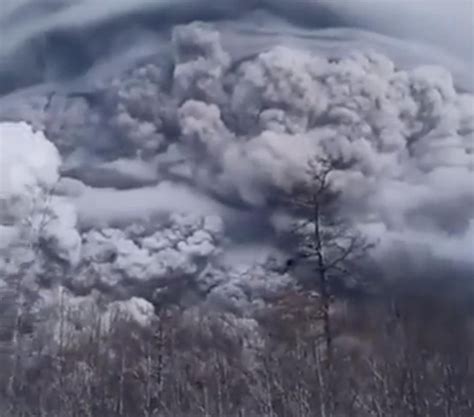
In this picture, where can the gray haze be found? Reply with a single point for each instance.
(157, 146)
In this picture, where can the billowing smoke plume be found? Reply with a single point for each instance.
(30, 210)
(171, 169)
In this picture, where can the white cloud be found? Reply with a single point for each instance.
(29, 166)
(28, 161)
(102, 206)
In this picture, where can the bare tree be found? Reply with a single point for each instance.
(326, 240)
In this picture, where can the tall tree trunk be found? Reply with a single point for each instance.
(323, 279)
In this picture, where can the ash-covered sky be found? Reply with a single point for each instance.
(170, 141)
(46, 40)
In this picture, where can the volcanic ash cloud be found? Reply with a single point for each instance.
(216, 144)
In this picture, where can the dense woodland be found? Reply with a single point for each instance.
(410, 357)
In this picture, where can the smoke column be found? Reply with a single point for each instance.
(143, 144)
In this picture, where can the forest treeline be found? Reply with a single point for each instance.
(407, 356)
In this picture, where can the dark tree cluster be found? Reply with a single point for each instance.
(417, 362)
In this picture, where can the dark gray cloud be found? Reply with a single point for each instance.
(45, 41)
(176, 153)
